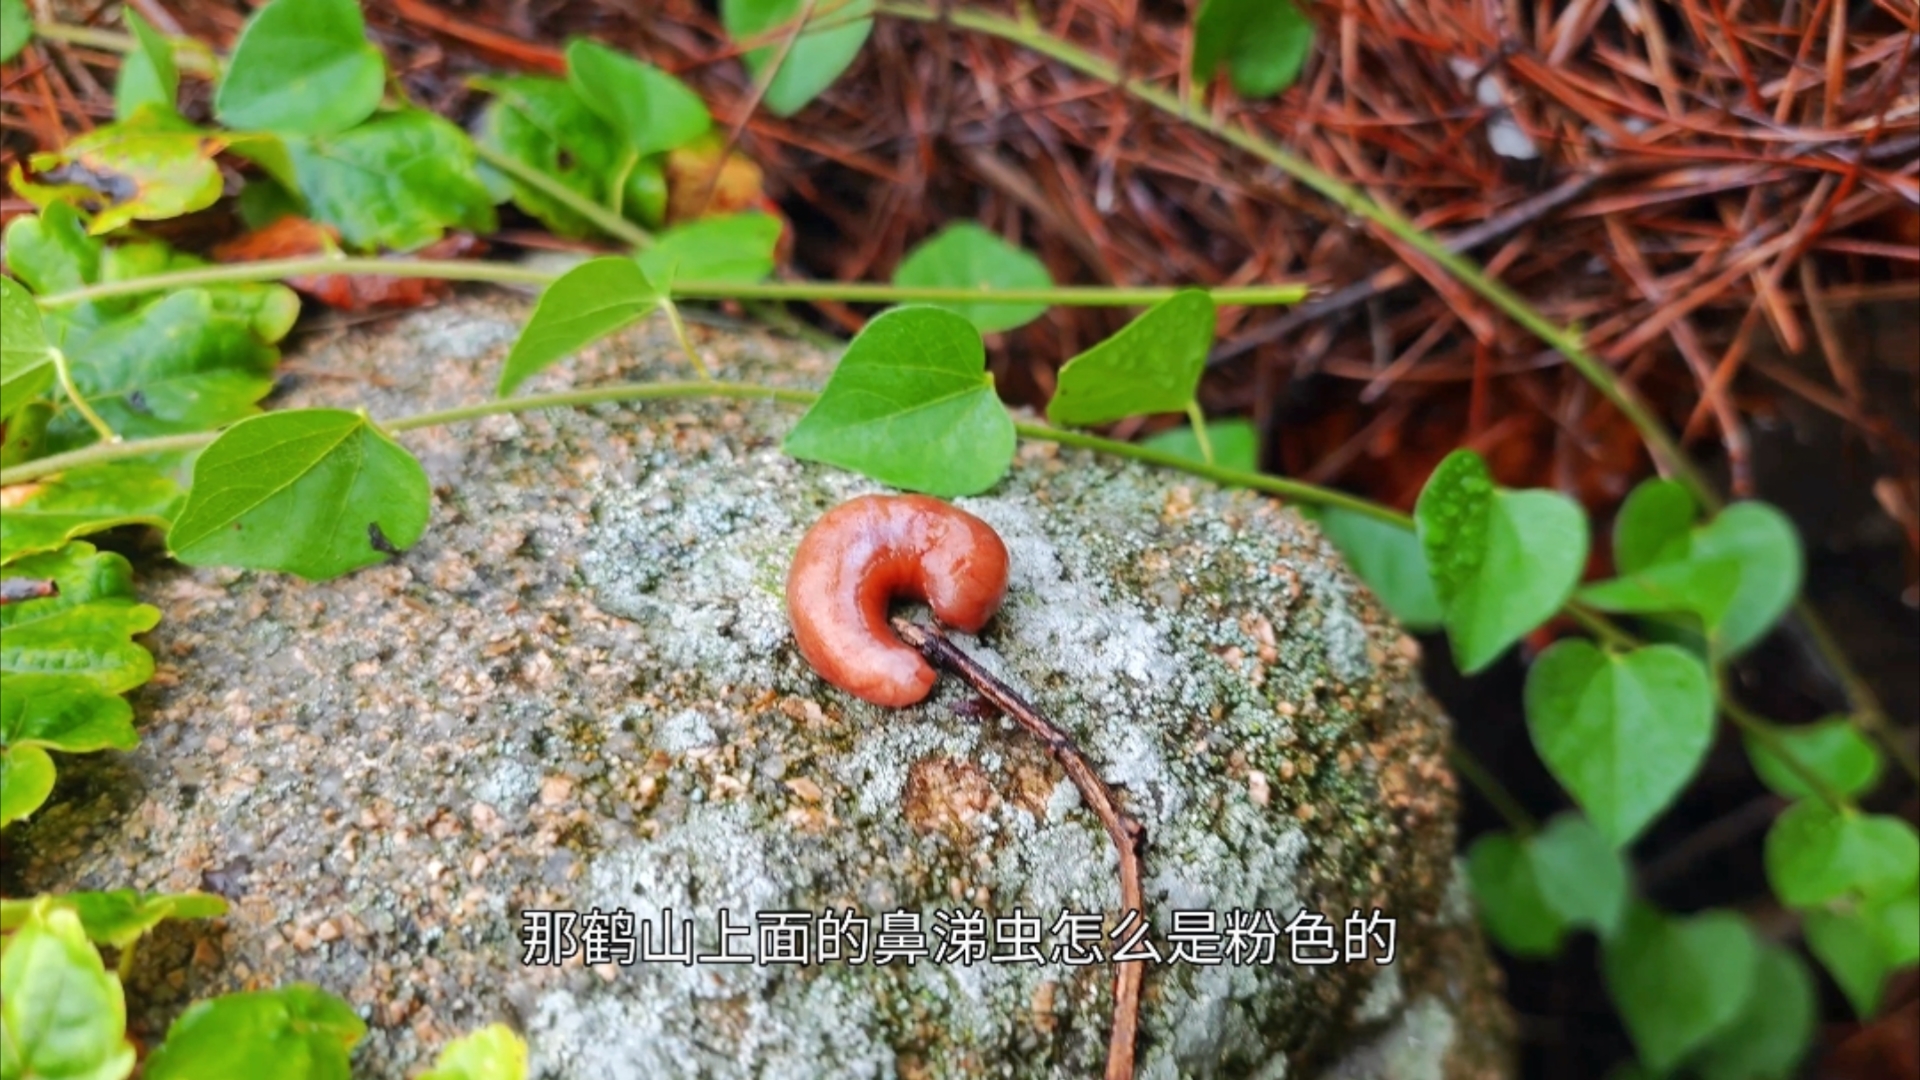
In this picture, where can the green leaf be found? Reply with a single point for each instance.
(1502, 562)
(302, 67)
(734, 248)
(294, 1032)
(1390, 560)
(1622, 732)
(129, 172)
(585, 304)
(23, 437)
(1861, 944)
(398, 181)
(1815, 854)
(653, 110)
(75, 638)
(1772, 1033)
(26, 779)
(148, 77)
(185, 362)
(52, 252)
(544, 125)
(1512, 906)
(26, 358)
(16, 28)
(912, 405)
(1236, 445)
(1264, 43)
(314, 492)
(1151, 366)
(1679, 982)
(1582, 877)
(965, 256)
(817, 57)
(60, 713)
(1738, 573)
(1652, 525)
(492, 1053)
(62, 1017)
(1833, 749)
(44, 515)
(121, 917)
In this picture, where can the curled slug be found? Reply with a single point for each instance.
(866, 553)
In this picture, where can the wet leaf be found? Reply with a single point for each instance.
(302, 67)
(965, 256)
(314, 492)
(1502, 562)
(911, 404)
(397, 182)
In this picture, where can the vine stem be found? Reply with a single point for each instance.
(505, 273)
(1763, 732)
(99, 426)
(607, 221)
(1867, 713)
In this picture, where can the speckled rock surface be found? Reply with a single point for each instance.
(579, 690)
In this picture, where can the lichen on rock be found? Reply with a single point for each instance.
(579, 691)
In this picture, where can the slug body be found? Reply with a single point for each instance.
(866, 553)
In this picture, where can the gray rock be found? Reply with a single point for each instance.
(579, 691)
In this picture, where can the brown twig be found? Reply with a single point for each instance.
(1128, 835)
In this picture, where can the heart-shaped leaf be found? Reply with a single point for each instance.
(735, 248)
(295, 1032)
(1389, 559)
(1652, 525)
(315, 492)
(44, 515)
(1502, 562)
(1815, 854)
(1236, 445)
(26, 357)
(61, 1014)
(60, 712)
(302, 67)
(965, 256)
(911, 404)
(51, 252)
(492, 1053)
(1679, 982)
(584, 305)
(1623, 732)
(120, 917)
(1771, 1035)
(398, 181)
(816, 57)
(1860, 944)
(1738, 573)
(149, 79)
(652, 109)
(1833, 749)
(1264, 43)
(1511, 904)
(1582, 877)
(1151, 366)
(26, 779)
